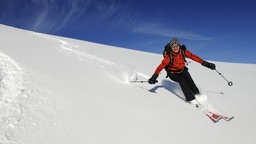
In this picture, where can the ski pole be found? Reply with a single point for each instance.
(139, 81)
(230, 83)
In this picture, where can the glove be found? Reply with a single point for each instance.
(153, 80)
(209, 65)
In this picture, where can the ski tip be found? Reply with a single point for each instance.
(228, 118)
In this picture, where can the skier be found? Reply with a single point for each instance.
(174, 63)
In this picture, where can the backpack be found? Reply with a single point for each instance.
(167, 51)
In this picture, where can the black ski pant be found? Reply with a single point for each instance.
(186, 83)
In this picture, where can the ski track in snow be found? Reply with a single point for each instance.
(11, 88)
(124, 73)
(17, 99)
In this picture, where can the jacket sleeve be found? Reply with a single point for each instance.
(162, 65)
(193, 57)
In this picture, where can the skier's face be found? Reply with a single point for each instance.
(175, 48)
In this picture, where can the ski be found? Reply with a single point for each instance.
(226, 118)
(210, 114)
(210, 111)
(214, 117)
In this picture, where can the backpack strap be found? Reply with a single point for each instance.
(184, 55)
(183, 48)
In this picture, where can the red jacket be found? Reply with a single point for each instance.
(178, 61)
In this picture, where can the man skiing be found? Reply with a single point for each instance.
(174, 63)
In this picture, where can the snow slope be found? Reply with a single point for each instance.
(55, 90)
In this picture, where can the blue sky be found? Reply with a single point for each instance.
(215, 30)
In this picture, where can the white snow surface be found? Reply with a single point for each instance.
(56, 90)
